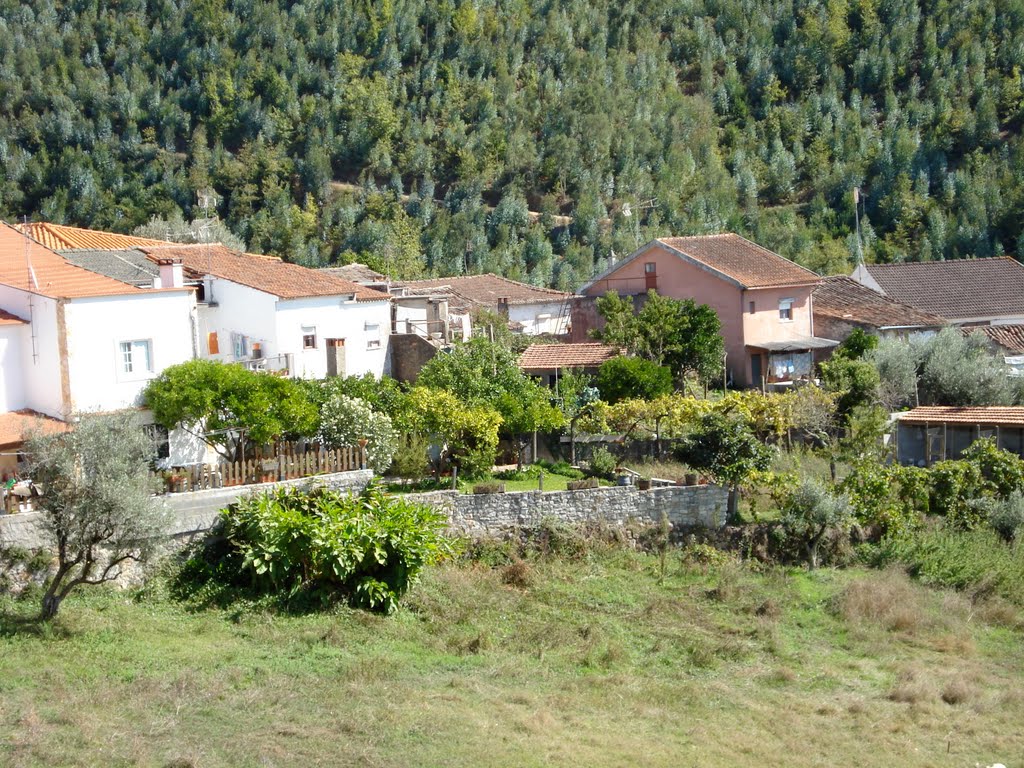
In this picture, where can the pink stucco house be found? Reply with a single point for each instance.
(762, 299)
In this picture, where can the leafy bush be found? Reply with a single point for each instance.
(324, 544)
(345, 420)
(952, 484)
(603, 462)
(977, 560)
(563, 468)
(1007, 516)
(893, 498)
(624, 378)
(411, 459)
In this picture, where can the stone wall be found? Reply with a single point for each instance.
(479, 514)
(191, 512)
(686, 506)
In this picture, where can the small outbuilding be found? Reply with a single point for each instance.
(933, 433)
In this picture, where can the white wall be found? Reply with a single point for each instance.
(40, 374)
(12, 388)
(530, 315)
(96, 327)
(333, 318)
(238, 309)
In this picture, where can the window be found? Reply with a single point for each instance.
(650, 268)
(135, 357)
(308, 337)
(372, 335)
(750, 308)
(240, 345)
(785, 309)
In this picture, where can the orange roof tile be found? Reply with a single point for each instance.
(546, 357)
(29, 266)
(955, 414)
(267, 274)
(15, 426)
(748, 263)
(59, 237)
(6, 318)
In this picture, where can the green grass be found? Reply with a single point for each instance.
(588, 662)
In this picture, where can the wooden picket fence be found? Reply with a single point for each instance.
(289, 464)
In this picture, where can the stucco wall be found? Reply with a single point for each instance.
(191, 513)
(532, 316)
(12, 390)
(237, 309)
(40, 375)
(334, 319)
(95, 327)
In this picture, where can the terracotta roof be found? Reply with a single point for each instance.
(485, 290)
(6, 318)
(546, 357)
(15, 426)
(747, 263)
(357, 273)
(844, 298)
(58, 237)
(953, 414)
(270, 275)
(956, 289)
(1009, 337)
(50, 275)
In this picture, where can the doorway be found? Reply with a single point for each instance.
(335, 357)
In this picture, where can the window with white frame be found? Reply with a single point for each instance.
(785, 309)
(372, 335)
(136, 357)
(308, 337)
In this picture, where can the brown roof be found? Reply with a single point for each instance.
(267, 274)
(747, 263)
(546, 357)
(357, 273)
(1009, 337)
(486, 290)
(956, 289)
(50, 274)
(844, 298)
(15, 426)
(955, 414)
(58, 237)
(6, 318)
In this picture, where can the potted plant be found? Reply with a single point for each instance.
(643, 483)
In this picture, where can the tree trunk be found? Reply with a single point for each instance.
(733, 514)
(51, 604)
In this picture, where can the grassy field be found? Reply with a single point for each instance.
(585, 662)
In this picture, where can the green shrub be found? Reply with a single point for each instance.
(603, 462)
(952, 484)
(1001, 472)
(325, 544)
(810, 513)
(1007, 516)
(632, 378)
(977, 560)
(563, 468)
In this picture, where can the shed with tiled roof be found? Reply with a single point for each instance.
(959, 290)
(937, 432)
(546, 359)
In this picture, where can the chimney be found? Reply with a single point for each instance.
(503, 306)
(170, 273)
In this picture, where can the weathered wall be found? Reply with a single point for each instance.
(686, 506)
(409, 353)
(190, 512)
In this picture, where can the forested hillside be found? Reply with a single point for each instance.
(447, 122)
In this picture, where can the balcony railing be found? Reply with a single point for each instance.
(279, 365)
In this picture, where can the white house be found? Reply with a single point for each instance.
(272, 315)
(529, 310)
(72, 340)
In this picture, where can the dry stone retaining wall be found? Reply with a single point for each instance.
(702, 506)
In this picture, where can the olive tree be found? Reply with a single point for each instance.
(98, 511)
(810, 512)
